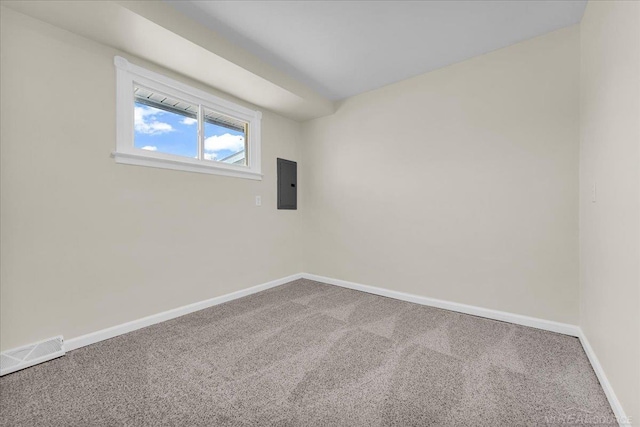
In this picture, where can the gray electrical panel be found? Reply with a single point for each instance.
(287, 183)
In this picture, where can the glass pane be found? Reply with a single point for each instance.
(224, 138)
(164, 124)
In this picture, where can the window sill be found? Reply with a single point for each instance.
(186, 166)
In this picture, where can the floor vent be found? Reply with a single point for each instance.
(29, 355)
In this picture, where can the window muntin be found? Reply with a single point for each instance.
(167, 124)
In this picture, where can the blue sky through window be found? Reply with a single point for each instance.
(172, 133)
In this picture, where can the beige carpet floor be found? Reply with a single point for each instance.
(311, 354)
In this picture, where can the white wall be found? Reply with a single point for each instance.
(87, 243)
(460, 184)
(610, 227)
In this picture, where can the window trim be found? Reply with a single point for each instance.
(127, 75)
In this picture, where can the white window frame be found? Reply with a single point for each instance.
(128, 75)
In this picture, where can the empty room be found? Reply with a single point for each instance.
(320, 213)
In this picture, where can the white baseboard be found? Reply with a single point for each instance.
(547, 325)
(133, 325)
(618, 411)
(114, 331)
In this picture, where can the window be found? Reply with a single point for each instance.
(167, 124)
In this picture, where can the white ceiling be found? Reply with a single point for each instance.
(342, 48)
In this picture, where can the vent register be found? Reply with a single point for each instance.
(32, 354)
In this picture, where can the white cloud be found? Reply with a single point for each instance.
(210, 156)
(150, 148)
(146, 122)
(189, 121)
(224, 142)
